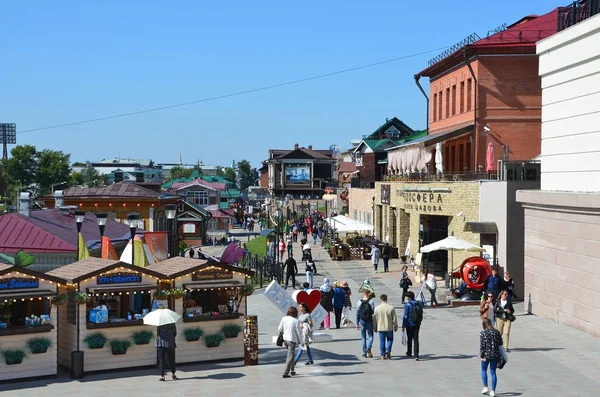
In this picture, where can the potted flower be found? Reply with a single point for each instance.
(247, 290)
(13, 356)
(193, 334)
(59, 299)
(142, 337)
(162, 294)
(213, 340)
(81, 297)
(231, 330)
(119, 346)
(177, 293)
(95, 340)
(39, 345)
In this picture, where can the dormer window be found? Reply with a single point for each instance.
(358, 159)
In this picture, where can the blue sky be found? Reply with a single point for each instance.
(67, 61)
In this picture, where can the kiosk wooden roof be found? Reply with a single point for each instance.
(179, 266)
(90, 267)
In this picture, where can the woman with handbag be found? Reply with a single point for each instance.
(306, 326)
(289, 331)
(431, 285)
(404, 282)
(165, 343)
(489, 352)
(504, 313)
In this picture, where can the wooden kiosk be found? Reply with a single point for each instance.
(28, 323)
(102, 317)
(211, 298)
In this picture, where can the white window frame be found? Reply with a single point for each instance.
(198, 197)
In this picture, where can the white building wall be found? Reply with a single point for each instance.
(570, 71)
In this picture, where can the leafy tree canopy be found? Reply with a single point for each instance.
(180, 172)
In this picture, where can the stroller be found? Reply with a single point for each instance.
(307, 258)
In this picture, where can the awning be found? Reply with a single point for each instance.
(481, 227)
(213, 286)
(26, 294)
(384, 161)
(123, 288)
(431, 140)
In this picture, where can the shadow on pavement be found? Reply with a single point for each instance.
(431, 357)
(222, 376)
(509, 394)
(535, 349)
(338, 373)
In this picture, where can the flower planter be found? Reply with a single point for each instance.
(192, 339)
(95, 347)
(13, 362)
(119, 346)
(39, 350)
(118, 352)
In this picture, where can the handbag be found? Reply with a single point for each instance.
(280, 339)
(503, 358)
(403, 338)
(510, 317)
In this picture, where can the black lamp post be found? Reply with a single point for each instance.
(79, 217)
(133, 220)
(170, 212)
(101, 218)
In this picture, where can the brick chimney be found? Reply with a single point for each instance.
(296, 146)
(25, 204)
(118, 176)
(59, 199)
(309, 147)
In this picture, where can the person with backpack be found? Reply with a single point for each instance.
(411, 323)
(309, 274)
(405, 282)
(490, 341)
(339, 299)
(364, 322)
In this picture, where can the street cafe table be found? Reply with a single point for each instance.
(27, 322)
(127, 293)
(213, 297)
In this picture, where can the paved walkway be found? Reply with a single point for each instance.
(546, 359)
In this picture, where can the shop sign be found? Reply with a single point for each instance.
(423, 201)
(119, 278)
(212, 274)
(19, 283)
(279, 297)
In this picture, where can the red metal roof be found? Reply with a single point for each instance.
(17, 232)
(118, 189)
(524, 33)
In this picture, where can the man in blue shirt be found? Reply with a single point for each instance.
(492, 283)
(411, 322)
(339, 299)
(364, 322)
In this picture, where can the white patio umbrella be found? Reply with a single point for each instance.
(452, 244)
(160, 317)
(439, 165)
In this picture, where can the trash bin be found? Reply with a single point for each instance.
(76, 364)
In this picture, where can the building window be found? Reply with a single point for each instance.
(440, 106)
(358, 160)
(462, 97)
(447, 159)
(453, 100)
(468, 156)
(212, 225)
(198, 197)
(434, 107)
(368, 217)
(354, 214)
(447, 102)
(461, 157)
(452, 158)
(469, 91)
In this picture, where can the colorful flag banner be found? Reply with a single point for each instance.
(83, 249)
(108, 251)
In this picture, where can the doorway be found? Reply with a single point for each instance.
(434, 228)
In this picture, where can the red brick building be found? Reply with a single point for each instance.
(488, 91)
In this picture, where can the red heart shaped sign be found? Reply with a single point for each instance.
(312, 298)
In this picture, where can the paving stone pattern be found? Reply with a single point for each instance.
(547, 359)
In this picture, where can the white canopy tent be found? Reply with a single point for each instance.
(343, 224)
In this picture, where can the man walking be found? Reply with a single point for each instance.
(291, 269)
(385, 254)
(411, 322)
(385, 323)
(375, 254)
(364, 322)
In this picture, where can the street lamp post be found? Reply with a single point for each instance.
(101, 218)
(79, 217)
(133, 219)
(170, 212)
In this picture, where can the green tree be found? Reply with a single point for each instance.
(180, 172)
(227, 173)
(88, 177)
(22, 166)
(245, 175)
(53, 168)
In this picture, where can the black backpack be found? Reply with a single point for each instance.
(416, 313)
(365, 311)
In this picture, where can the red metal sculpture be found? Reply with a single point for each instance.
(474, 271)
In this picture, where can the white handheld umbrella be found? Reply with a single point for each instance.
(161, 317)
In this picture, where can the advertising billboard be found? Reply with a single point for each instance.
(298, 175)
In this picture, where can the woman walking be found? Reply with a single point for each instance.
(290, 327)
(489, 352)
(339, 300)
(404, 282)
(347, 304)
(503, 311)
(306, 327)
(326, 302)
(165, 343)
(486, 308)
(508, 284)
(431, 285)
